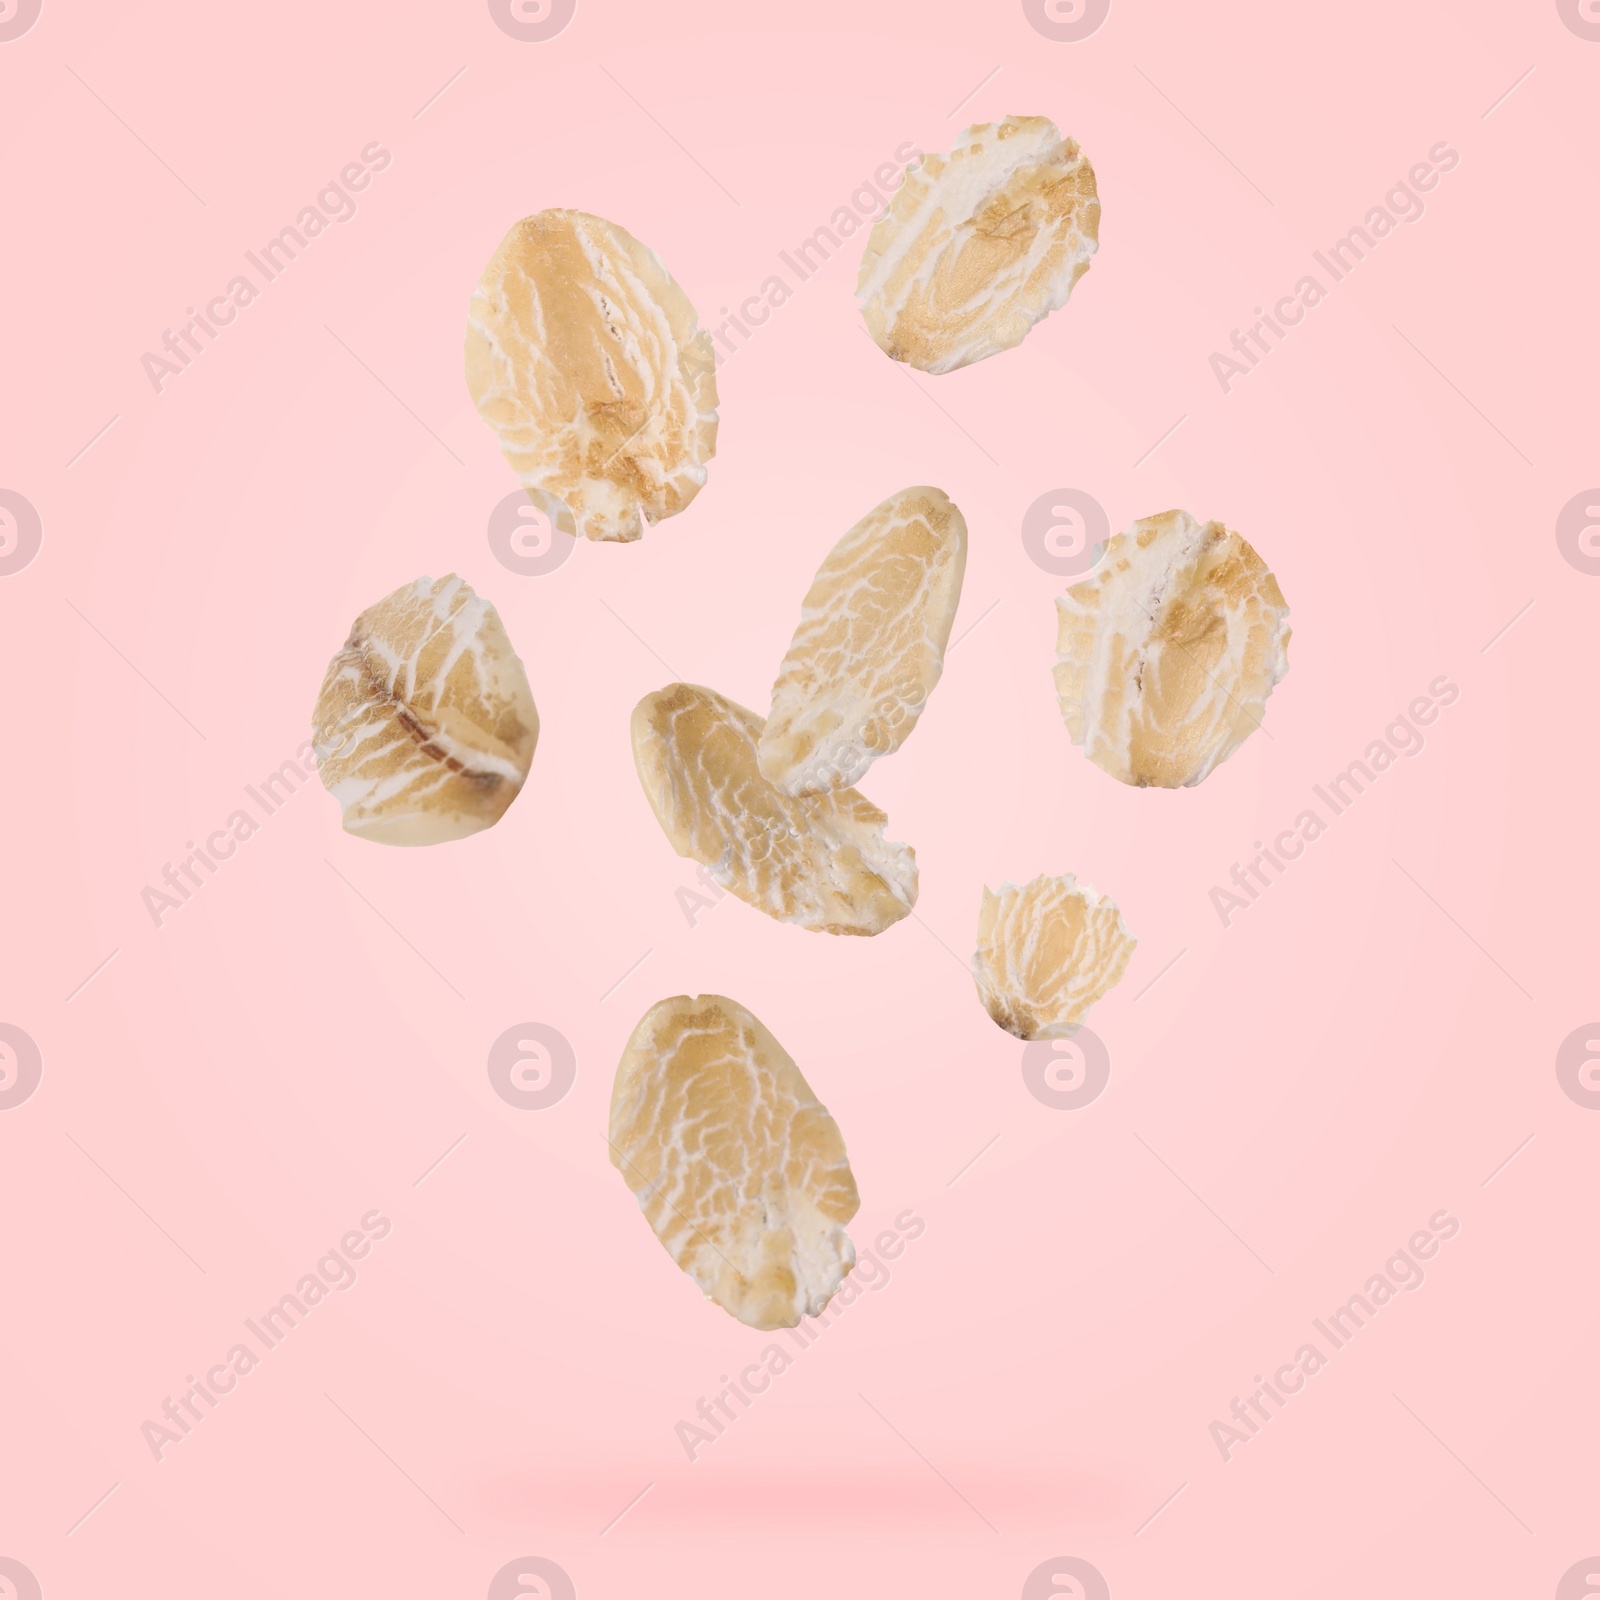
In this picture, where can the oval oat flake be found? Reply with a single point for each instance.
(736, 1164)
(821, 862)
(584, 357)
(979, 245)
(425, 726)
(870, 645)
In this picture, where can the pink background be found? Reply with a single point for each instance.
(300, 1043)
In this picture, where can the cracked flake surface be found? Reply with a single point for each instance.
(821, 863)
(870, 645)
(1165, 658)
(979, 245)
(425, 726)
(583, 356)
(1046, 952)
(736, 1164)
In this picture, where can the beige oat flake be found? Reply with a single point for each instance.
(425, 726)
(1046, 952)
(821, 863)
(737, 1166)
(584, 357)
(979, 245)
(1166, 656)
(870, 644)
